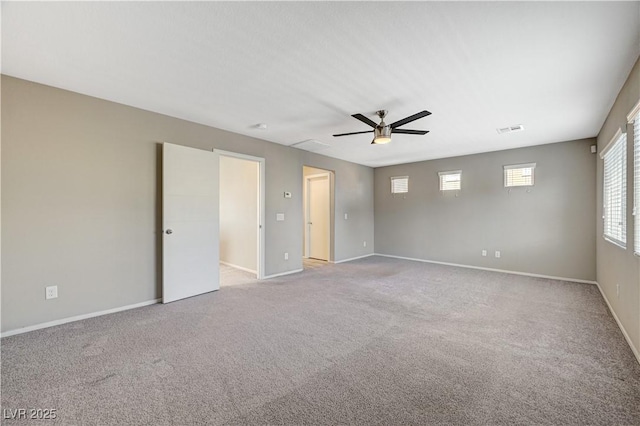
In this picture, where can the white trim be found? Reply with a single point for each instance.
(635, 110)
(317, 175)
(262, 179)
(452, 172)
(519, 166)
(613, 140)
(237, 155)
(280, 274)
(242, 268)
(615, 242)
(526, 274)
(78, 318)
(624, 332)
(354, 258)
(306, 200)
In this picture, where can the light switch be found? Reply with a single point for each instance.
(346, 216)
(279, 217)
(287, 195)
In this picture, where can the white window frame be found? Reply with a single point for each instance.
(508, 180)
(614, 190)
(634, 119)
(443, 176)
(400, 187)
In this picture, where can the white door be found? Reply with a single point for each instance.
(319, 212)
(190, 216)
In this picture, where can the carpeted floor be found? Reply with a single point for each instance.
(310, 263)
(376, 341)
(231, 276)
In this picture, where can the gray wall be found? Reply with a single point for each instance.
(81, 204)
(545, 229)
(617, 265)
(239, 212)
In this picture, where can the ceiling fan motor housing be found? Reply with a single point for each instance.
(381, 134)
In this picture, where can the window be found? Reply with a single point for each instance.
(519, 175)
(615, 190)
(635, 117)
(450, 181)
(399, 184)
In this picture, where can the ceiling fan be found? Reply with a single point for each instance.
(382, 132)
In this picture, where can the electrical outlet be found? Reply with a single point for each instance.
(286, 256)
(497, 254)
(618, 291)
(364, 244)
(484, 253)
(51, 292)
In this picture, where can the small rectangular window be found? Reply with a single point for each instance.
(615, 191)
(399, 184)
(519, 175)
(450, 181)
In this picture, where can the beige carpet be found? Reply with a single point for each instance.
(374, 341)
(230, 276)
(310, 263)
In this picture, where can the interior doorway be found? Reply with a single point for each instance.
(241, 218)
(318, 199)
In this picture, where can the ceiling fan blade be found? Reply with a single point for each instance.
(411, 132)
(410, 119)
(353, 133)
(365, 120)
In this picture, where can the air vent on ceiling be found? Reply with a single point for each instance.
(516, 128)
(311, 145)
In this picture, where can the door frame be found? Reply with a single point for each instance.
(330, 175)
(261, 205)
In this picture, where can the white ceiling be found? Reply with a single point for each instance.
(304, 68)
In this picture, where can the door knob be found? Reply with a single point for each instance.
(169, 231)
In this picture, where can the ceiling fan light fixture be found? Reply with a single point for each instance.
(381, 140)
(382, 135)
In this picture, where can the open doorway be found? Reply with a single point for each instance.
(318, 207)
(241, 218)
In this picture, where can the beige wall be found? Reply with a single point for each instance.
(239, 212)
(617, 265)
(546, 229)
(81, 189)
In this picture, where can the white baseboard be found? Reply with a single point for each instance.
(353, 258)
(295, 271)
(242, 268)
(77, 318)
(624, 332)
(526, 274)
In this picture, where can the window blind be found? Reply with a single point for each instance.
(450, 181)
(615, 192)
(399, 184)
(636, 183)
(519, 174)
